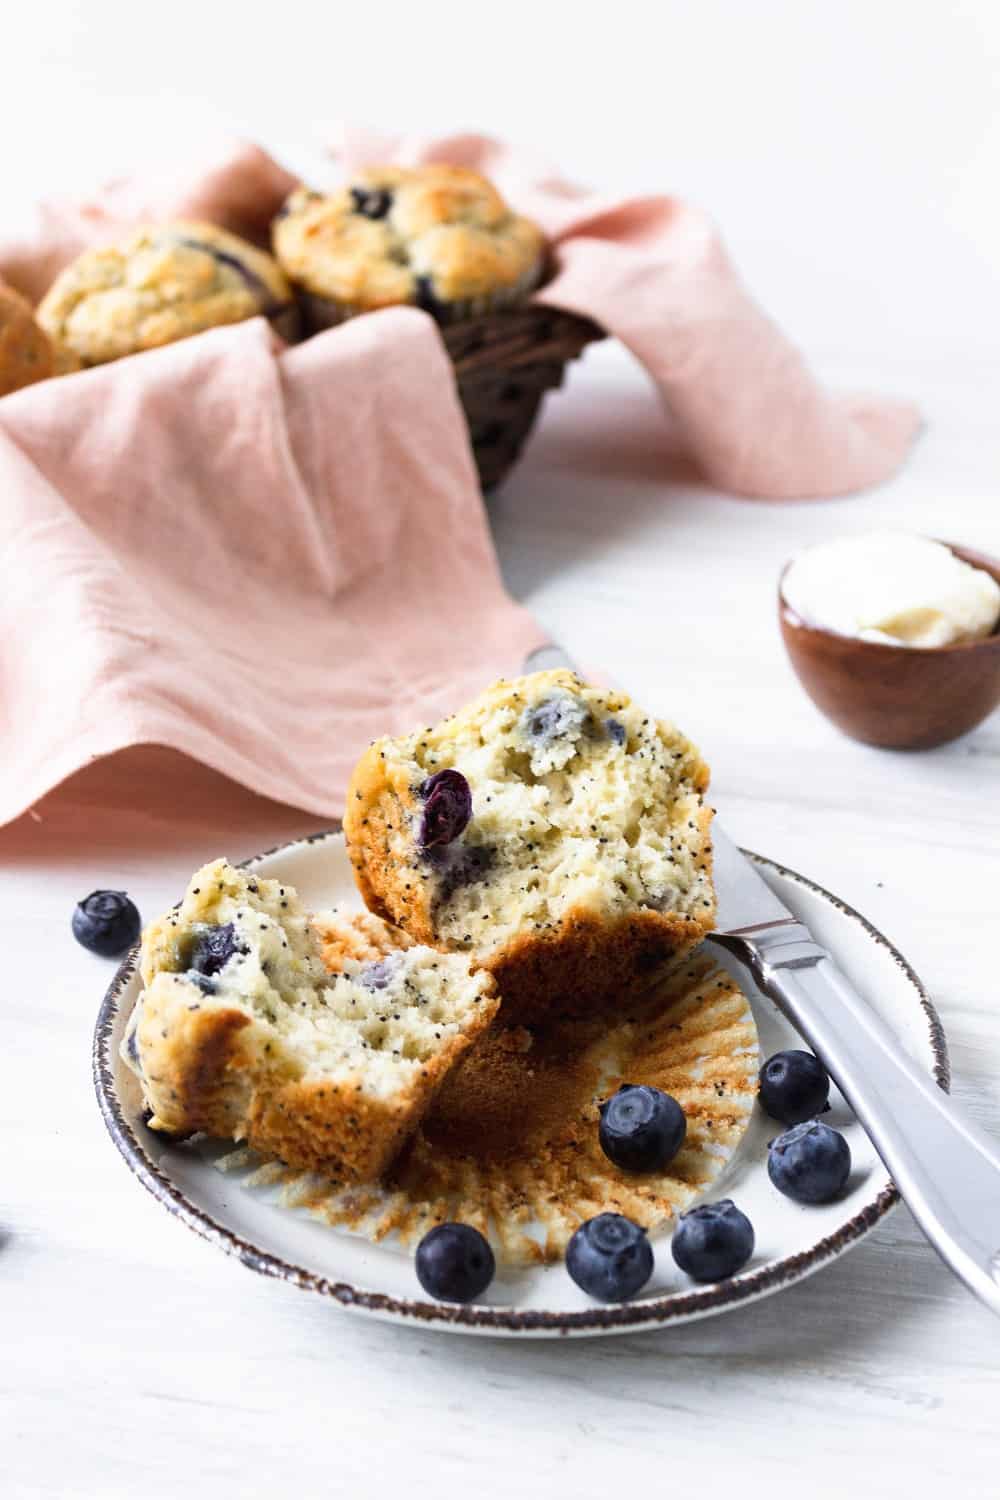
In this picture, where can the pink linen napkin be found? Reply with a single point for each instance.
(654, 272)
(261, 559)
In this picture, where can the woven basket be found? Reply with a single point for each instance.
(504, 363)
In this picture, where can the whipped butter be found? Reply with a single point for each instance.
(894, 588)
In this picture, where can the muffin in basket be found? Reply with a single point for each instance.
(552, 831)
(159, 284)
(321, 1045)
(440, 238)
(435, 237)
(27, 354)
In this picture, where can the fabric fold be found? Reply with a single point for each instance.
(654, 272)
(263, 559)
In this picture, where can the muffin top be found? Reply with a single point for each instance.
(26, 351)
(540, 801)
(161, 283)
(432, 236)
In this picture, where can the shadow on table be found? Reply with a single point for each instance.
(846, 1311)
(604, 462)
(148, 797)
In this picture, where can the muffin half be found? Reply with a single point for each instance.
(552, 831)
(241, 1031)
(436, 237)
(159, 284)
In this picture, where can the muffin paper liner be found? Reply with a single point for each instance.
(511, 1144)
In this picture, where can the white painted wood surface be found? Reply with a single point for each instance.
(134, 1352)
(138, 1362)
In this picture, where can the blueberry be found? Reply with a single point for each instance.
(616, 731)
(810, 1163)
(204, 982)
(641, 1128)
(424, 296)
(459, 865)
(794, 1086)
(376, 976)
(212, 949)
(447, 799)
(106, 922)
(610, 1257)
(555, 718)
(254, 283)
(454, 1263)
(713, 1241)
(374, 203)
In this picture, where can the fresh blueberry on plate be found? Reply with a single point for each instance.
(610, 1258)
(107, 923)
(454, 1263)
(713, 1241)
(794, 1086)
(810, 1163)
(641, 1128)
(447, 799)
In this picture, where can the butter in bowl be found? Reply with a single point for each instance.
(895, 637)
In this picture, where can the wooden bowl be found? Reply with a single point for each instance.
(899, 697)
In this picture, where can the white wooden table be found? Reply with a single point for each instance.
(140, 1362)
(851, 153)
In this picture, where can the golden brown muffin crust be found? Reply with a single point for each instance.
(438, 237)
(27, 354)
(255, 1052)
(159, 284)
(583, 963)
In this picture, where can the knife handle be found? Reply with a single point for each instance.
(945, 1167)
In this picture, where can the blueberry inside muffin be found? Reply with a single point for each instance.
(436, 237)
(160, 284)
(553, 831)
(319, 1041)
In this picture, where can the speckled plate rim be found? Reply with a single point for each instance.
(677, 1307)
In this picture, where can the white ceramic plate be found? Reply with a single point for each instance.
(792, 1241)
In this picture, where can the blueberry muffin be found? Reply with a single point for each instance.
(242, 1031)
(27, 354)
(551, 831)
(160, 284)
(511, 1143)
(436, 237)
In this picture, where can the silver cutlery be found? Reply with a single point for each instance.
(946, 1169)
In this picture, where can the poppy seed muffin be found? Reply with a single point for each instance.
(550, 830)
(435, 237)
(241, 1030)
(163, 283)
(27, 354)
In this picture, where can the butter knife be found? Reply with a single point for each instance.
(946, 1169)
